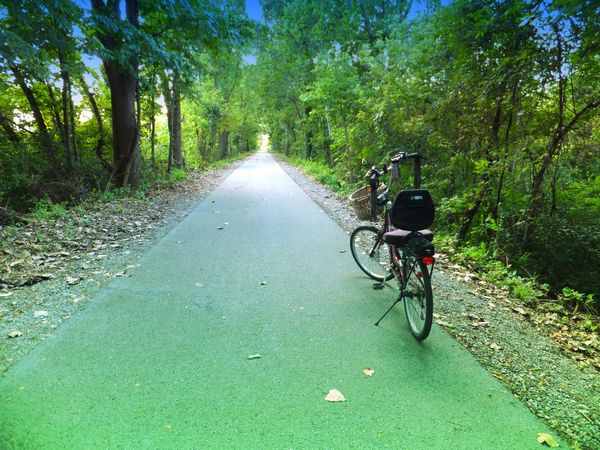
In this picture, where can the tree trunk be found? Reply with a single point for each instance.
(224, 145)
(122, 83)
(7, 126)
(64, 75)
(58, 122)
(168, 97)
(309, 135)
(177, 151)
(45, 140)
(101, 140)
(485, 183)
(153, 134)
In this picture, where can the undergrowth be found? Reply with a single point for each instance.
(322, 173)
(526, 289)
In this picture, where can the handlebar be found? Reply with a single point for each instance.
(374, 173)
(402, 156)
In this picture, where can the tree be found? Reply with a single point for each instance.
(119, 52)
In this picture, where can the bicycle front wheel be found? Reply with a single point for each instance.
(418, 299)
(370, 252)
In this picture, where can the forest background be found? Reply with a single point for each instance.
(502, 98)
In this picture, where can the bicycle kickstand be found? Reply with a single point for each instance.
(398, 300)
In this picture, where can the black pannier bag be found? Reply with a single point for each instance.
(413, 210)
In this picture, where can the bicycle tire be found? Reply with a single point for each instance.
(365, 239)
(418, 299)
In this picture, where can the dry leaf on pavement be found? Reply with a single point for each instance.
(335, 396)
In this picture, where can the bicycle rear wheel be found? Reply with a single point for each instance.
(418, 299)
(370, 252)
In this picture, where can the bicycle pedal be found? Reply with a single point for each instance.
(378, 286)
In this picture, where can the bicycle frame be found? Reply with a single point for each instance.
(399, 257)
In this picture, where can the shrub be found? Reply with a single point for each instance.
(46, 209)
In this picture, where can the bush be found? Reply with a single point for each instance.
(46, 209)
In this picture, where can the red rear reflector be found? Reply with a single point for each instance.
(428, 260)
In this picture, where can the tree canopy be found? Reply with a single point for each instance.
(502, 98)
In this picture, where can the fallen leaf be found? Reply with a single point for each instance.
(256, 356)
(545, 438)
(369, 372)
(335, 396)
(15, 334)
(495, 346)
(168, 426)
(73, 280)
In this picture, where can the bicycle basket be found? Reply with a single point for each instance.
(361, 202)
(413, 210)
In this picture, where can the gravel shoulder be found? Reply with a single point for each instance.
(51, 270)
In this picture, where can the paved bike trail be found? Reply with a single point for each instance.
(161, 359)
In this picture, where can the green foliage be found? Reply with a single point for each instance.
(45, 209)
(177, 175)
(479, 89)
(576, 299)
(322, 173)
(487, 265)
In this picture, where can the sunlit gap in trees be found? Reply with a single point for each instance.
(263, 143)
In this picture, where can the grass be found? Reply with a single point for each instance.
(321, 173)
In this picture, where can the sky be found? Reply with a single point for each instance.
(254, 10)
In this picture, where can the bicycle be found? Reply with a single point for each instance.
(410, 256)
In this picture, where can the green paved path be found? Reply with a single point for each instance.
(160, 360)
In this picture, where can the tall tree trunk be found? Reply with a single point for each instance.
(308, 135)
(551, 151)
(485, 183)
(67, 142)
(168, 97)
(7, 126)
(177, 151)
(122, 83)
(224, 144)
(153, 133)
(45, 140)
(73, 128)
(56, 116)
(101, 139)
